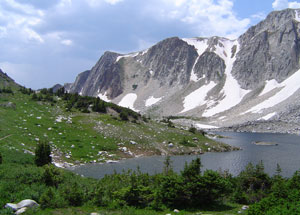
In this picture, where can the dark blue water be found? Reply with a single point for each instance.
(286, 154)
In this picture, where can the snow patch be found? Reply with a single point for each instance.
(127, 55)
(103, 97)
(268, 116)
(289, 87)
(297, 16)
(128, 101)
(81, 92)
(151, 101)
(144, 52)
(270, 85)
(200, 44)
(198, 125)
(197, 98)
(233, 93)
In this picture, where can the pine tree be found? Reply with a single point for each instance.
(42, 154)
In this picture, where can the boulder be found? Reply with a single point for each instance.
(245, 207)
(27, 203)
(9, 105)
(20, 211)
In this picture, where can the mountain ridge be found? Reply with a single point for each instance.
(220, 80)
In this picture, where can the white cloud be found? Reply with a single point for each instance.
(282, 4)
(67, 42)
(259, 16)
(32, 35)
(294, 4)
(208, 17)
(19, 20)
(97, 3)
(113, 1)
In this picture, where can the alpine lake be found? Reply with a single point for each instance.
(272, 149)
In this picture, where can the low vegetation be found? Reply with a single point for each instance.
(76, 129)
(83, 129)
(191, 191)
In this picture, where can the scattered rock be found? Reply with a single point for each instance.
(245, 207)
(9, 105)
(170, 145)
(132, 142)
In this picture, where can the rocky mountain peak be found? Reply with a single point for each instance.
(210, 78)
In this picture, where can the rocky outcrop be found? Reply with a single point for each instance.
(105, 76)
(80, 82)
(171, 60)
(56, 87)
(269, 50)
(210, 66)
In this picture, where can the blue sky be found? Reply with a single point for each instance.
(48, 42)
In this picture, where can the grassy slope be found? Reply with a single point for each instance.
(21, 128)
(81, 136)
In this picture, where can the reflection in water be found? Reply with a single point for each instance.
(286, 154)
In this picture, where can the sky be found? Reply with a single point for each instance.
(45, 42)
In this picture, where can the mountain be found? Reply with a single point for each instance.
(6, 81)
(216, 80)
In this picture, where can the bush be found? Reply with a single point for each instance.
(42, 154)
(73, 194)
(193, 130)
(51, 199)
(185, 142)
(52, 175)
(0, 158)
(124, 116)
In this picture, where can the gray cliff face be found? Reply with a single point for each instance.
(269, 50)
(171, 60)
(210, 66)
(80, 81)
(105, 76)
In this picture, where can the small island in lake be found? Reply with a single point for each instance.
(262, 143)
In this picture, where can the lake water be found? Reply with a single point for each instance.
(286, 154)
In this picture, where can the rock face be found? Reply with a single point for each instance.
(269, 50)
(216, 79)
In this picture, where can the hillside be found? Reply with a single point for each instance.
(6, 81)
(213, 81)
(78, 134)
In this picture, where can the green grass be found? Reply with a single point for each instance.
(230, 209)
(79, 137)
